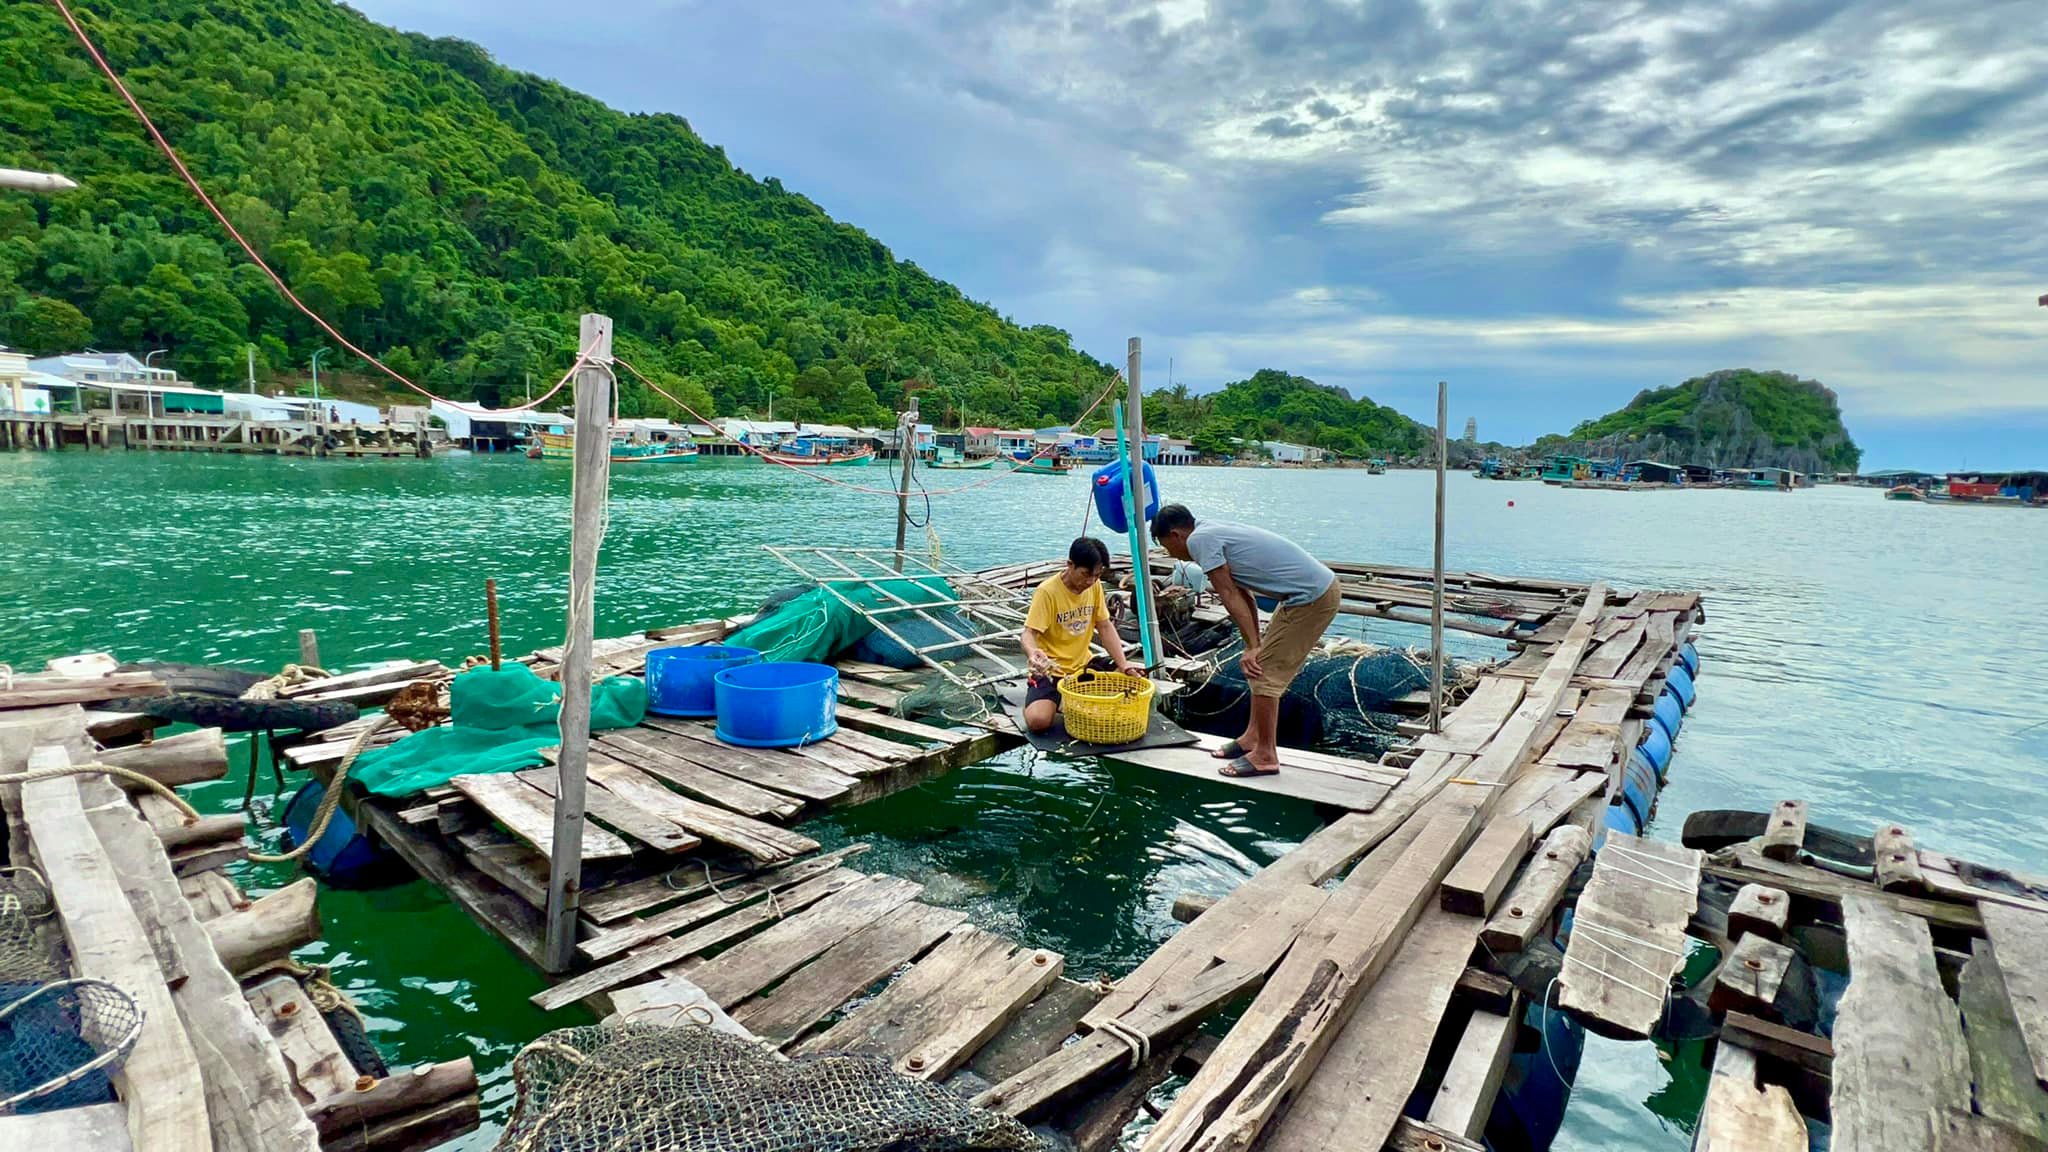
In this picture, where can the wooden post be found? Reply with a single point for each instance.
(491, 614)
(309, 648)
(587, 498)
(1134, 482)
(1436, 591)
(906, 449)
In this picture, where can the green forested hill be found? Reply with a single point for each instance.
(1732, 418)
(1274, 405)
(453, 217)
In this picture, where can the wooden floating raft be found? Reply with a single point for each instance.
(233, 1052)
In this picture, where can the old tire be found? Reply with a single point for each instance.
(232, 714)
(199, 679)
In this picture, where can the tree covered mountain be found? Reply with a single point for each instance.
(454, 217)
(1734, 418)
(1274, 405)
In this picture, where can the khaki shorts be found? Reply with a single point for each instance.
(1292, 633)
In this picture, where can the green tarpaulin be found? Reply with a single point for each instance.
(816, 626)
(500, 720)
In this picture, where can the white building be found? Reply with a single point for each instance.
(103, 368)
(1173, 451)
(1284, 453)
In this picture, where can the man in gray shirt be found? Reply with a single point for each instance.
(1241, 562)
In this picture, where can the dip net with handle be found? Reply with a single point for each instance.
(650, 1088)
(60, 1039)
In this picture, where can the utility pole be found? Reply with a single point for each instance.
(316, 377)
(906, 447)
(251, 349)
(1436, 595)
(586, 532)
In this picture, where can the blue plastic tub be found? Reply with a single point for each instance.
(679, 678)
(777, 705)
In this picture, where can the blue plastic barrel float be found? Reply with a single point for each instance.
(1681, 683)
(1655, 747)
(777, 705)
(1669, 713)
(1630, 810)
(1690, 657)
(679, 678)
(343, 856)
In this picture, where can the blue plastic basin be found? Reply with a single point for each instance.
(679, 679)
(777, 705)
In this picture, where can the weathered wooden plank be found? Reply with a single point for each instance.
(1898, 859)
(529, 813)
(1412, 1135)
(719, 931)
(249, 1104)
(1475, 883)
(1900, 1058)
(841, 758)
(869, 720)
(762, 841)
(383, 672)
(1758, 910)
(752, 781)
(845, 970)
(508, 860)
(751, 965)
(671, 1002)
(1742, 1116)
(938, 1014)
(319, 1069)
(405, 1092)
(621, 815)
(186, 758)
(1787, 832)
(1748, 980)
(1472, 723)
(1377, 1060)
(2001, 1068)
(160, 1081)
(1464, 1098)
(90, 1128)
(1659, 642)
(1745, 864)
(1592, 738)
(211, 894)
(490, 903)
(854, 690)
(1628, 934)
(730, 896)
(1608, 658)
(268, 929)
(2020, 939)
(683, 882)
(1527, 908)
(1035, 1032)
(39, 691)
(1295, 779)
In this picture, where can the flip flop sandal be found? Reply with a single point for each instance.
(1230, 751)
(1242, 767)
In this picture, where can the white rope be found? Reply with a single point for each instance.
(1651, 862)
(1601, 930)
(1139, 1043)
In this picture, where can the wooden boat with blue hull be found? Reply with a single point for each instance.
(956, 465)
(819, 452)
(562, 446)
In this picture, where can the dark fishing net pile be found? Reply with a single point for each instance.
(1343, 698)
(647, 1088)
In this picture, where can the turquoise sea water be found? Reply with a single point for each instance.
(1881, 660)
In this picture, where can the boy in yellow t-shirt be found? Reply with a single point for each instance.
(1065, 611)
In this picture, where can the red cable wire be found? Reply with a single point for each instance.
(809, 470)
(199, 191)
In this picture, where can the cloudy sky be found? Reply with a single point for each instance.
(1549, 203)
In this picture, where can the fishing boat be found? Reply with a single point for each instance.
(1376, 468)
(956, 464)
(1044, 466)
(562, 446)
(820, 452)
(1905, 492)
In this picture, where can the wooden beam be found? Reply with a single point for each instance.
(1787, 831)
(2020, 940)
(269, 928)
(405, 1091)
(87, 1128)
(37, 691)
(1628, 934)
(1744, 864)
(1898, 859)
(1758, 910)
(2002, 1071)
(160, 1081)
(732, 895)
(1474, 885)
(1741, 1115)
(319, 1068)
(1900, 1058)
(753, 964)
(186, 758)
(1464, 1099)
(1535, 894)
(1748, 980)
(845, 970)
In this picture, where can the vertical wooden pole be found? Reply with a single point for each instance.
(309, 649)
(1436, 595)
(491, 614)
(1134, 482)
(906, 449)
(586, 532)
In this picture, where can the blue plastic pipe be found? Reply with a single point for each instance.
(1138, 560)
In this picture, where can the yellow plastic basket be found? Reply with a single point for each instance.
(1106, 707)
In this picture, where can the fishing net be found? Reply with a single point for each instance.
(1342, 699)
(60, 1042)
(26, 957)
(646, 1088)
